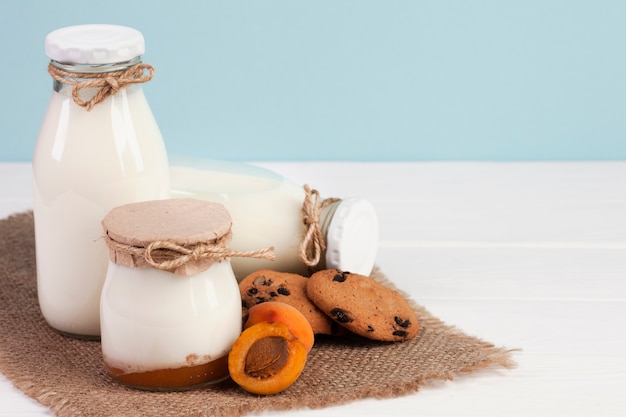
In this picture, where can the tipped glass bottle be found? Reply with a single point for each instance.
(267, 210)
(99, 147)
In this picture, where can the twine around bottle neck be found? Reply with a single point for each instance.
(313, 243)
(107, 83)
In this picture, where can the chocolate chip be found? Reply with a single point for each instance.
(400, 333)
(260, 300)
(370, 329)
(339, 278)
(273, 294)
(283, 291)
(252, 291)
(402, 323)
(340, 315)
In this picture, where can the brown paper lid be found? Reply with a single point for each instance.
(185, 222)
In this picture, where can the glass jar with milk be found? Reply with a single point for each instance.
(170, 307)
(99, 147)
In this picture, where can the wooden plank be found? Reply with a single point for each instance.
(541, 274)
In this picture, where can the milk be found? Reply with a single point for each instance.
(153, 319)
(265, 207)
(84, 164)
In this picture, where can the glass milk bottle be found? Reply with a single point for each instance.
(99, 146)
(267, 210)
(170, 308)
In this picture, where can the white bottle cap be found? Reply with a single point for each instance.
(352, 237)
(94, 44)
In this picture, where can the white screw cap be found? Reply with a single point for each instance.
(94, 44)
(352, 237)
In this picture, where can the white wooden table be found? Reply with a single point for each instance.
(524, 255)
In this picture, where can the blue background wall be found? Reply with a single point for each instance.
(351, 80)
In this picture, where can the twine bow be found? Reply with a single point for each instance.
(313, 243)
(108, 83)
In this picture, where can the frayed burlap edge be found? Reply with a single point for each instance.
(68, 376)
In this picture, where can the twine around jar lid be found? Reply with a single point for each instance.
(183, 236)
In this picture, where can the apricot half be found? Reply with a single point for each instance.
(266, 358)
(274, 311)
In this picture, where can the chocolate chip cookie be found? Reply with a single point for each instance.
(363, 305)
(267, 285)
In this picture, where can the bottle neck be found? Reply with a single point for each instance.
(92, 84)
(326, 217)
(95, 68)
(87, 71)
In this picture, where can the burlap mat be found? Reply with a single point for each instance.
(68, 376)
